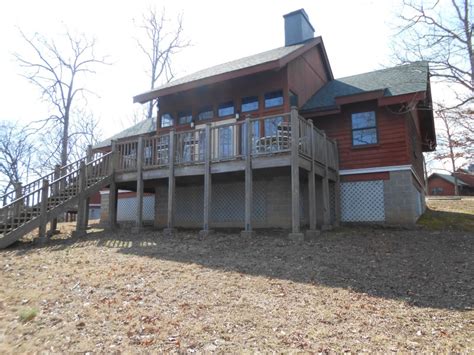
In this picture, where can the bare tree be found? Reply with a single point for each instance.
(16, 154)
(454, 145)
(159, 47)
(439, 32)
(59, 73)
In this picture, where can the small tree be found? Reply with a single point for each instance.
(57, 70)
(159, 47)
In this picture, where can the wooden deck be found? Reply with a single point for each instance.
(246, 145)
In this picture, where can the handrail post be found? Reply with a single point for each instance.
(169, 230)
(206, 231)
(312, 232)
(139, 213)
(295, 176)
(248, 232)
(56, 193)
(43, 211)
(18, 194)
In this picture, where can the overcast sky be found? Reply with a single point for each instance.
(356, 35)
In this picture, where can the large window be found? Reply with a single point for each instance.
(364, 128)
(226, 109)
(273, 126)
(166, 120)
(249, 104)
(205, 113)
(273, 99)
(226, 142)
(255, 135)
(185, 117)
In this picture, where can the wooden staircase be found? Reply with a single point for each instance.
(41, 201)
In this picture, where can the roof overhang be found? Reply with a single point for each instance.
(267, 66)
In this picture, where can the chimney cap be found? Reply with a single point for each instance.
(303, 13)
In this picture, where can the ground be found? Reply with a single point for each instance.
(351, 289)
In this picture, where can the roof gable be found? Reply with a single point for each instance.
(448, 178)
(396, 81)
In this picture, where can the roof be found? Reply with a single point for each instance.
(260, 61)
(467, 178)
(146, 126)
(400, 80)
(449, 178)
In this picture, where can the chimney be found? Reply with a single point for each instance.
(298, 29)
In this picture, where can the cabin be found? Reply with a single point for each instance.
(273, 140)
(444, 184)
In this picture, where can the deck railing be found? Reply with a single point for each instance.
(270, 135)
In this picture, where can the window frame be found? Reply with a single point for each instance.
(171, 117)
(256, 99)
(205, 109)
(375, 128)
(185, 114)
(273, 92)
(221, 105)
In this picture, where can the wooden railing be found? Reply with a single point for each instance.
(270, 135)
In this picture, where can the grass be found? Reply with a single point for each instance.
(449, 215)
(352, 289)
(28, 314)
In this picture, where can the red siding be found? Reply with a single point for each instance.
(414, 148)
(392, 137)
(306, 75)
(437, 182)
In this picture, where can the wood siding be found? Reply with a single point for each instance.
(391, 148)
(414, 148)
(437, 182)
(306, 75)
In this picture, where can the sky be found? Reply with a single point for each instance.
(356, 35)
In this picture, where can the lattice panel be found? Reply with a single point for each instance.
(127, 208)
(189, 204)
(362, 201)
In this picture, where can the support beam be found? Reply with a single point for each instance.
(113, 191)
(248, 232)
(139, 213)
(169, 230)
(44, 211)
(312, 232)
(207, 183)
(337, 191)
(295, 176)
(81, 205)
(89, 158)
(325, 185)
(56, 192)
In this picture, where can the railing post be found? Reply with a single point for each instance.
(43, 211)
(325, 185)
(56, 193)
(169, 230)
(207, 183)
(312, 232)
(81, 209)
(139, 212)
(18, 194)
(295, 176)
(248, 232)
(113, 191)
(89, 158)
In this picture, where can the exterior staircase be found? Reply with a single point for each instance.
(43, 200)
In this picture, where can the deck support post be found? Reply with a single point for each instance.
(43, 211)
(295, 176)
(248, 231)
(325, 185)
(81, 208)
(206, 231)
(113, 191)
(89, 158)
(312, 232)
(169, 230)
(139, 213)
(337, 191)
(56, 191)
(18, 194)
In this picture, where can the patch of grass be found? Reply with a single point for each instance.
(28, 314)
(449, 215)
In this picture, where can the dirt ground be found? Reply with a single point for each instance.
(351, 289)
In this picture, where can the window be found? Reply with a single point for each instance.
(437, 191)
(255, 135)
(249, 103)
(273, 99)
(226, 109)
(364, 128)
(166, 120)
(226, 142)
(206, 113)
(272, 125)
(185, 117)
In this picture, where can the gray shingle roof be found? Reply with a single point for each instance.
(142, 127)
(400, 80)
(234, 65)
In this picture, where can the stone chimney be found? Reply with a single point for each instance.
(298, 29)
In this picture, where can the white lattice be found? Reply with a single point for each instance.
(127, 208)
(362, 201)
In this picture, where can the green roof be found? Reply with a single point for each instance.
(400, 80)
(146, 126)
